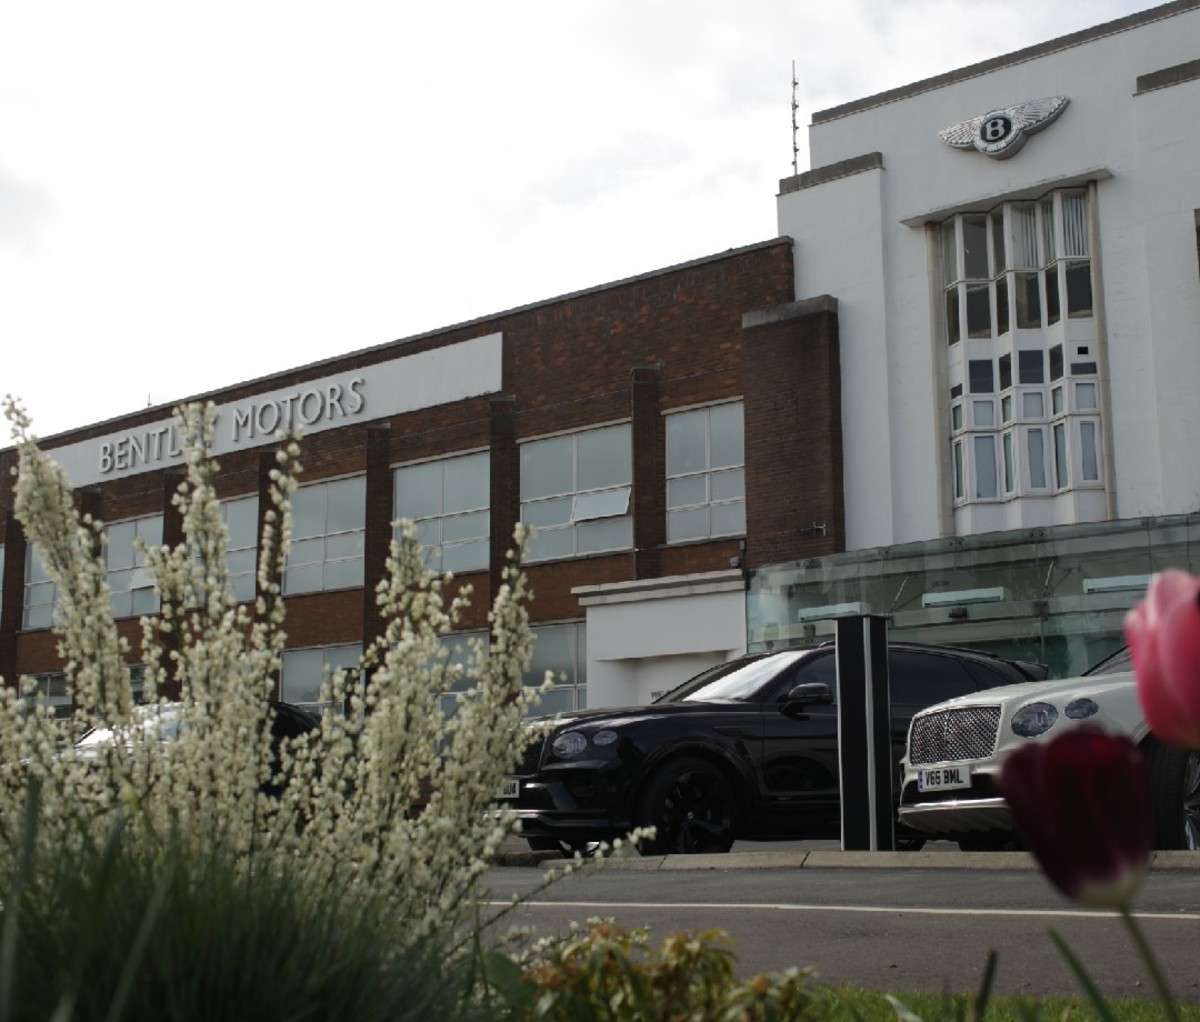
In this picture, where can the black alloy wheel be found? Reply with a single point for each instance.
(1175, 783)
(690, 804)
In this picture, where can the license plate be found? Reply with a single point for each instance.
(943, 778)
(511, 788)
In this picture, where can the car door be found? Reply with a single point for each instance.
(798, 767)
(920, 678)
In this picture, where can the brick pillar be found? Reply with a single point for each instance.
(791, 373)
(649, 470)
(266, 464)
(13, 606)
(172, 536)
(378, 535)
(505, 483)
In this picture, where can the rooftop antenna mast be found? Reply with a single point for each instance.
(795, 126)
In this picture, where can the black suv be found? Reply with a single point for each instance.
(747, 749)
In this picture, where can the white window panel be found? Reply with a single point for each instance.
(328, 536)
(131, 589)
(449, 502)
(706, 481)
(302, 672)
(601, 504)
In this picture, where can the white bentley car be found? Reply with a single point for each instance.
(955, 750)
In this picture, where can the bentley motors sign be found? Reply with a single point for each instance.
(439, 376)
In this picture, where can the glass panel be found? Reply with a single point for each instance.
(1008, 463)
(605, 534)
(307, 551)
(1035, 445)
(959, 491)
(305, 579)
(1049, 248)
(243, 587)
(429, 532)
(308, 511)
(686, 451)
(949, 253)
(551, 543)
(604, 458)
(300, 675)
(985, 467)
(348, 504)
(1031, 367)
(1006, 408)
(241, 518)
(601, 504)
(1085, 395)
(1056, 400)
(953, 328)
(547, 467)
(465, 484)
(685, 525)
(471, 556)
(38, 617)
(1001, 306)
(1056, 362)
(553, 650)
(242, 561)
(980, 371)
(985, 413)
(1029, 301)
(1052, 311)
(548, 512)
(557, 700)
(144, 601)
(344, 544)
(1033, 404)
(1023, 221)
(974, 242)
(729, 519)
(1061, 478)
(35, 571)
(1087, 449)
(979, 310)
(418, 491)
(687, 491)
(118, 550)
(1005, 372)
(1079, 289)
(469, 526)
(728, 485)
(344, 574)
(998, 263)
(727, 436)
(956, 417)
(149, 531)
(119, 581)
(1075, 226)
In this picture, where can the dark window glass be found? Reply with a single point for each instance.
(1031, 367)
(1052, 311)
(953, 331)
(1029, 301)
(956, 390)
(1079, 288)
(974, 240)
(922, 679)
(979, 310)
(1056, 362)
(1001, 306)
(980, 375)
(998, 242)
(1083, 368)
(1005, 372)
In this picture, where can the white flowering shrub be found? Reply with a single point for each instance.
(389, 801)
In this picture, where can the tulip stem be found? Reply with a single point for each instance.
(1151, 963)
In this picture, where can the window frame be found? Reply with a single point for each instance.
(431, 528)
(338, 562)
(709, 505)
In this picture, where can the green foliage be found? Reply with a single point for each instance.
(608, 973)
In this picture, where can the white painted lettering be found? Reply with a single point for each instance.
(333, 399)
(122, 454)
(106, 458)
(359, 402)
(137, 450)
(266, 417)
(286, 402)
(312, 404)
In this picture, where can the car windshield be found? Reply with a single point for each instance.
(738, 679)
(1114, 663)
(161, 724)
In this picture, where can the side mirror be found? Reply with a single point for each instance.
(810, 693)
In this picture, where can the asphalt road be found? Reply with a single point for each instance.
(887, 921)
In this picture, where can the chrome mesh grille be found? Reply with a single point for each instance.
(531, 758)
(954, 734)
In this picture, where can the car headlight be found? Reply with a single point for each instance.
(1081, 708)
(1034, 719)
(568, 745)
(605, 737)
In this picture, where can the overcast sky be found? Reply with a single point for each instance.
(196, 195)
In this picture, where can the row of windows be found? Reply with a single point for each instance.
(575, 489)
(1027, 460)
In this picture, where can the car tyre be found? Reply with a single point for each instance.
(1175, 786)
(691, 805)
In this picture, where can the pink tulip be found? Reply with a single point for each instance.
(1081, 803)
(1164, 642)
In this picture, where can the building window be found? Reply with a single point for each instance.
(706, 477)
(328, 526)
(448, 502)
(240, 516)
(458, 653)
(131, 590)
(561, 650)
(1036, 256)
(575, 491)
(303, 672)
(41, 593)
(48, 690)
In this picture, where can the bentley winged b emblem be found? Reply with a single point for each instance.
(1001, 133)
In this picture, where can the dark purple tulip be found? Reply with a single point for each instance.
(1081, 802)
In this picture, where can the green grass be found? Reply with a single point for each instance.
(853, 1004)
